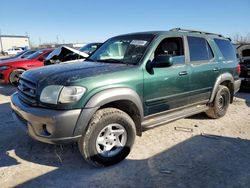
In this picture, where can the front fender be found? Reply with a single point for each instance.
(105, 97)
(115, 94)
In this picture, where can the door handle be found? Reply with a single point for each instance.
(216, 69)
(183, 73)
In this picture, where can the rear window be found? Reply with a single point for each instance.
(46, 54)
(199, 49)
(226, 49)
(246, 53)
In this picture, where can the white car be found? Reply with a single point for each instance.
(12, 51)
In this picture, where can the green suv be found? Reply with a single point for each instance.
(132, 83)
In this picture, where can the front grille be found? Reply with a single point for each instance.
(27, 91)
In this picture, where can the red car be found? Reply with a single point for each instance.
(10, 70)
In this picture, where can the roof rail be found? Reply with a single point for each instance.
(195, 31)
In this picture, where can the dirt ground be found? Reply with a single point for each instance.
(191, 152)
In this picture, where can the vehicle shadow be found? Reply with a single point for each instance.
(200, 116)
(245, 95)
(7, 90)
(7, 125)
(201, 161)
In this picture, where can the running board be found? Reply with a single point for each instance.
(154, 121)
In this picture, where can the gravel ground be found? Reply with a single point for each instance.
(191, 152)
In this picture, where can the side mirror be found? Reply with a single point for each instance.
(162, 61)
(159, 61)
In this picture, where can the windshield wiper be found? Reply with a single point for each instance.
(112, 61)
(88, 59)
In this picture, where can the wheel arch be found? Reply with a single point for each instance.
(14, 69)
(227, 80)
(124, 99)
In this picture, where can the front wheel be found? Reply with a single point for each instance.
(220, 103)
(15, 76)
(109, 137)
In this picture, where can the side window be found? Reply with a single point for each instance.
(27, 54)
(173, 47)
(46, 54)
(246, 53)
(226, 49)
(199, 49)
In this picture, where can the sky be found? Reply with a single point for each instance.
(82, 21)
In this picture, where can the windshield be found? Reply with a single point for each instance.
(19, 54)
(27, 53)
(127, 49)
(35, 55)
(90, 48)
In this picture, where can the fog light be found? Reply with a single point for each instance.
(47, 130)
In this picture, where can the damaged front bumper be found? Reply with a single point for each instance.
(46, 125)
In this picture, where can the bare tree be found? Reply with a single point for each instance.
(239, 39)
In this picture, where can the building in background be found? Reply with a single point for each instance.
(10, 41)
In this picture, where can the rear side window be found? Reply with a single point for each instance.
(199, 49)
(246, 53)
(226, 49)
(46, 54)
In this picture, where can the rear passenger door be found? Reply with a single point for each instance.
(204, 68)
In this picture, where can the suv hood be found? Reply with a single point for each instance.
(63, 74)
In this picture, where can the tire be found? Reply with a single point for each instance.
(220, 104)
(15, 76)
(108, 128)
(5, 53)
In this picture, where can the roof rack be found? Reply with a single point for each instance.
(195, 31)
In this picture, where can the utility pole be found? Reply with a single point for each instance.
(27, 35)
(57, 39)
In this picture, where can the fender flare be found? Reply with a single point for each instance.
(115, 94)
(223, 77)
(105, 97)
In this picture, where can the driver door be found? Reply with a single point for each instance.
(167, 88)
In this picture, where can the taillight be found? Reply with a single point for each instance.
(238, 69)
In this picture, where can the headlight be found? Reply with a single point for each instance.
(63, 94)
(4, 67)
(71, 94)
(50, 94)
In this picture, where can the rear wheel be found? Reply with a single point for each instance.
(15, 76)
(109, 137)
(220, 103)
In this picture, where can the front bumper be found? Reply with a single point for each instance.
(45, 125)
(4, 76)
(237, 84)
